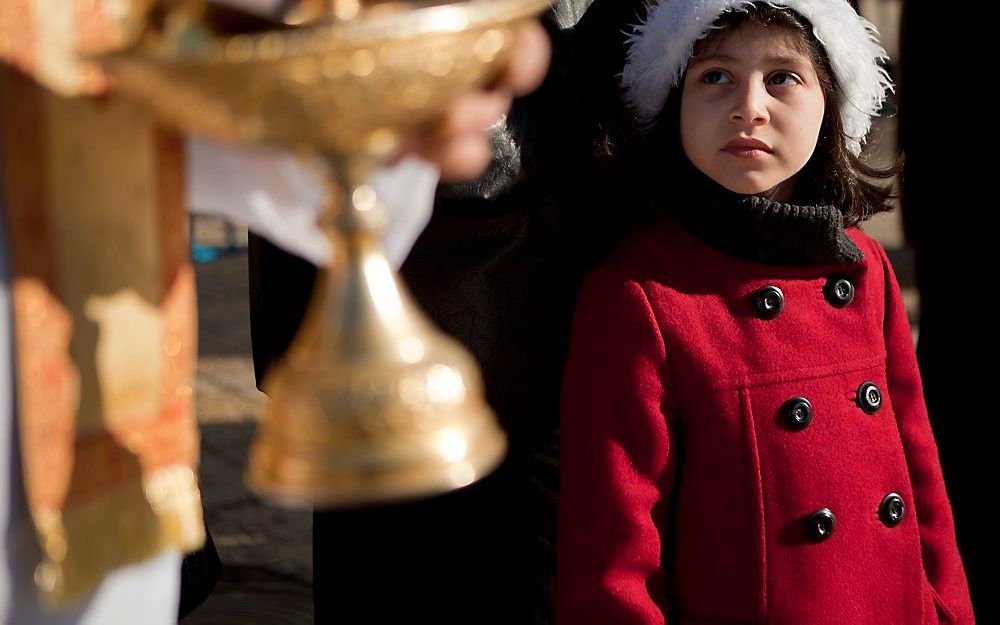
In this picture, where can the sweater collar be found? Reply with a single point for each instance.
(762, 230)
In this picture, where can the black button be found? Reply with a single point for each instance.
(768, 302)
(891, 510)
(869, 397)
(798, 413)
(821, 524)
(839, 291)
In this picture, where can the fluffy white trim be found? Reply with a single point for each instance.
(660, 47)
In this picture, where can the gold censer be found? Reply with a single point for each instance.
(372, 403)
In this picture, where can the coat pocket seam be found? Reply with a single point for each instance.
(754, 459)
(939, 602)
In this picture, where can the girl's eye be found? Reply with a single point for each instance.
(784, 79)
(715, 77)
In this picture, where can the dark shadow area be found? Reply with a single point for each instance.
(265, 550)
(249, 595)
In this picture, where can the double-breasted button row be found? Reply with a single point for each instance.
(821, 524)
(797, 412)
(769, 301)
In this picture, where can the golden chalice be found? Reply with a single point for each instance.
(372, 403)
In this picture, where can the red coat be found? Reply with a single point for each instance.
(691, 478)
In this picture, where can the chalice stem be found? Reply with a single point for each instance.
(372, 403)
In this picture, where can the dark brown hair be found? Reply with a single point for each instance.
(832, 175)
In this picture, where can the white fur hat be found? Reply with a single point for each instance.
(660, 47)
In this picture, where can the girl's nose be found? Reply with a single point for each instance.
(750, 105)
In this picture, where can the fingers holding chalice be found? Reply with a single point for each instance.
(458, 140)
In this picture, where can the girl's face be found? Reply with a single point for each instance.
(755, 87)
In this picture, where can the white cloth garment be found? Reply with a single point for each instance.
(279, 197)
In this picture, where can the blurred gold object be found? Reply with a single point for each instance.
(372, 402)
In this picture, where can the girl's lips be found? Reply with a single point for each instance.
(751, 153)
(746, 143)
(747, 147)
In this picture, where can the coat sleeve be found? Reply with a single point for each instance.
(615, 461)
(941, 559)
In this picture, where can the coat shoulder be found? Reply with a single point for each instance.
(644, 252)
(870, 247)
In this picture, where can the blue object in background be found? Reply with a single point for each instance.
(204, 252)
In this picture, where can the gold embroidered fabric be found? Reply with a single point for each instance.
(104, 303)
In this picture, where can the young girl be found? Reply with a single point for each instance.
(744, 436)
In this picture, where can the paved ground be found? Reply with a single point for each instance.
(266, 550)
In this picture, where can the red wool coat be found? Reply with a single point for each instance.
(691, 478)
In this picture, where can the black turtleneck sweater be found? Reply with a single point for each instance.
(756, 228)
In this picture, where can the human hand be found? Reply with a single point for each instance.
(457, 142)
